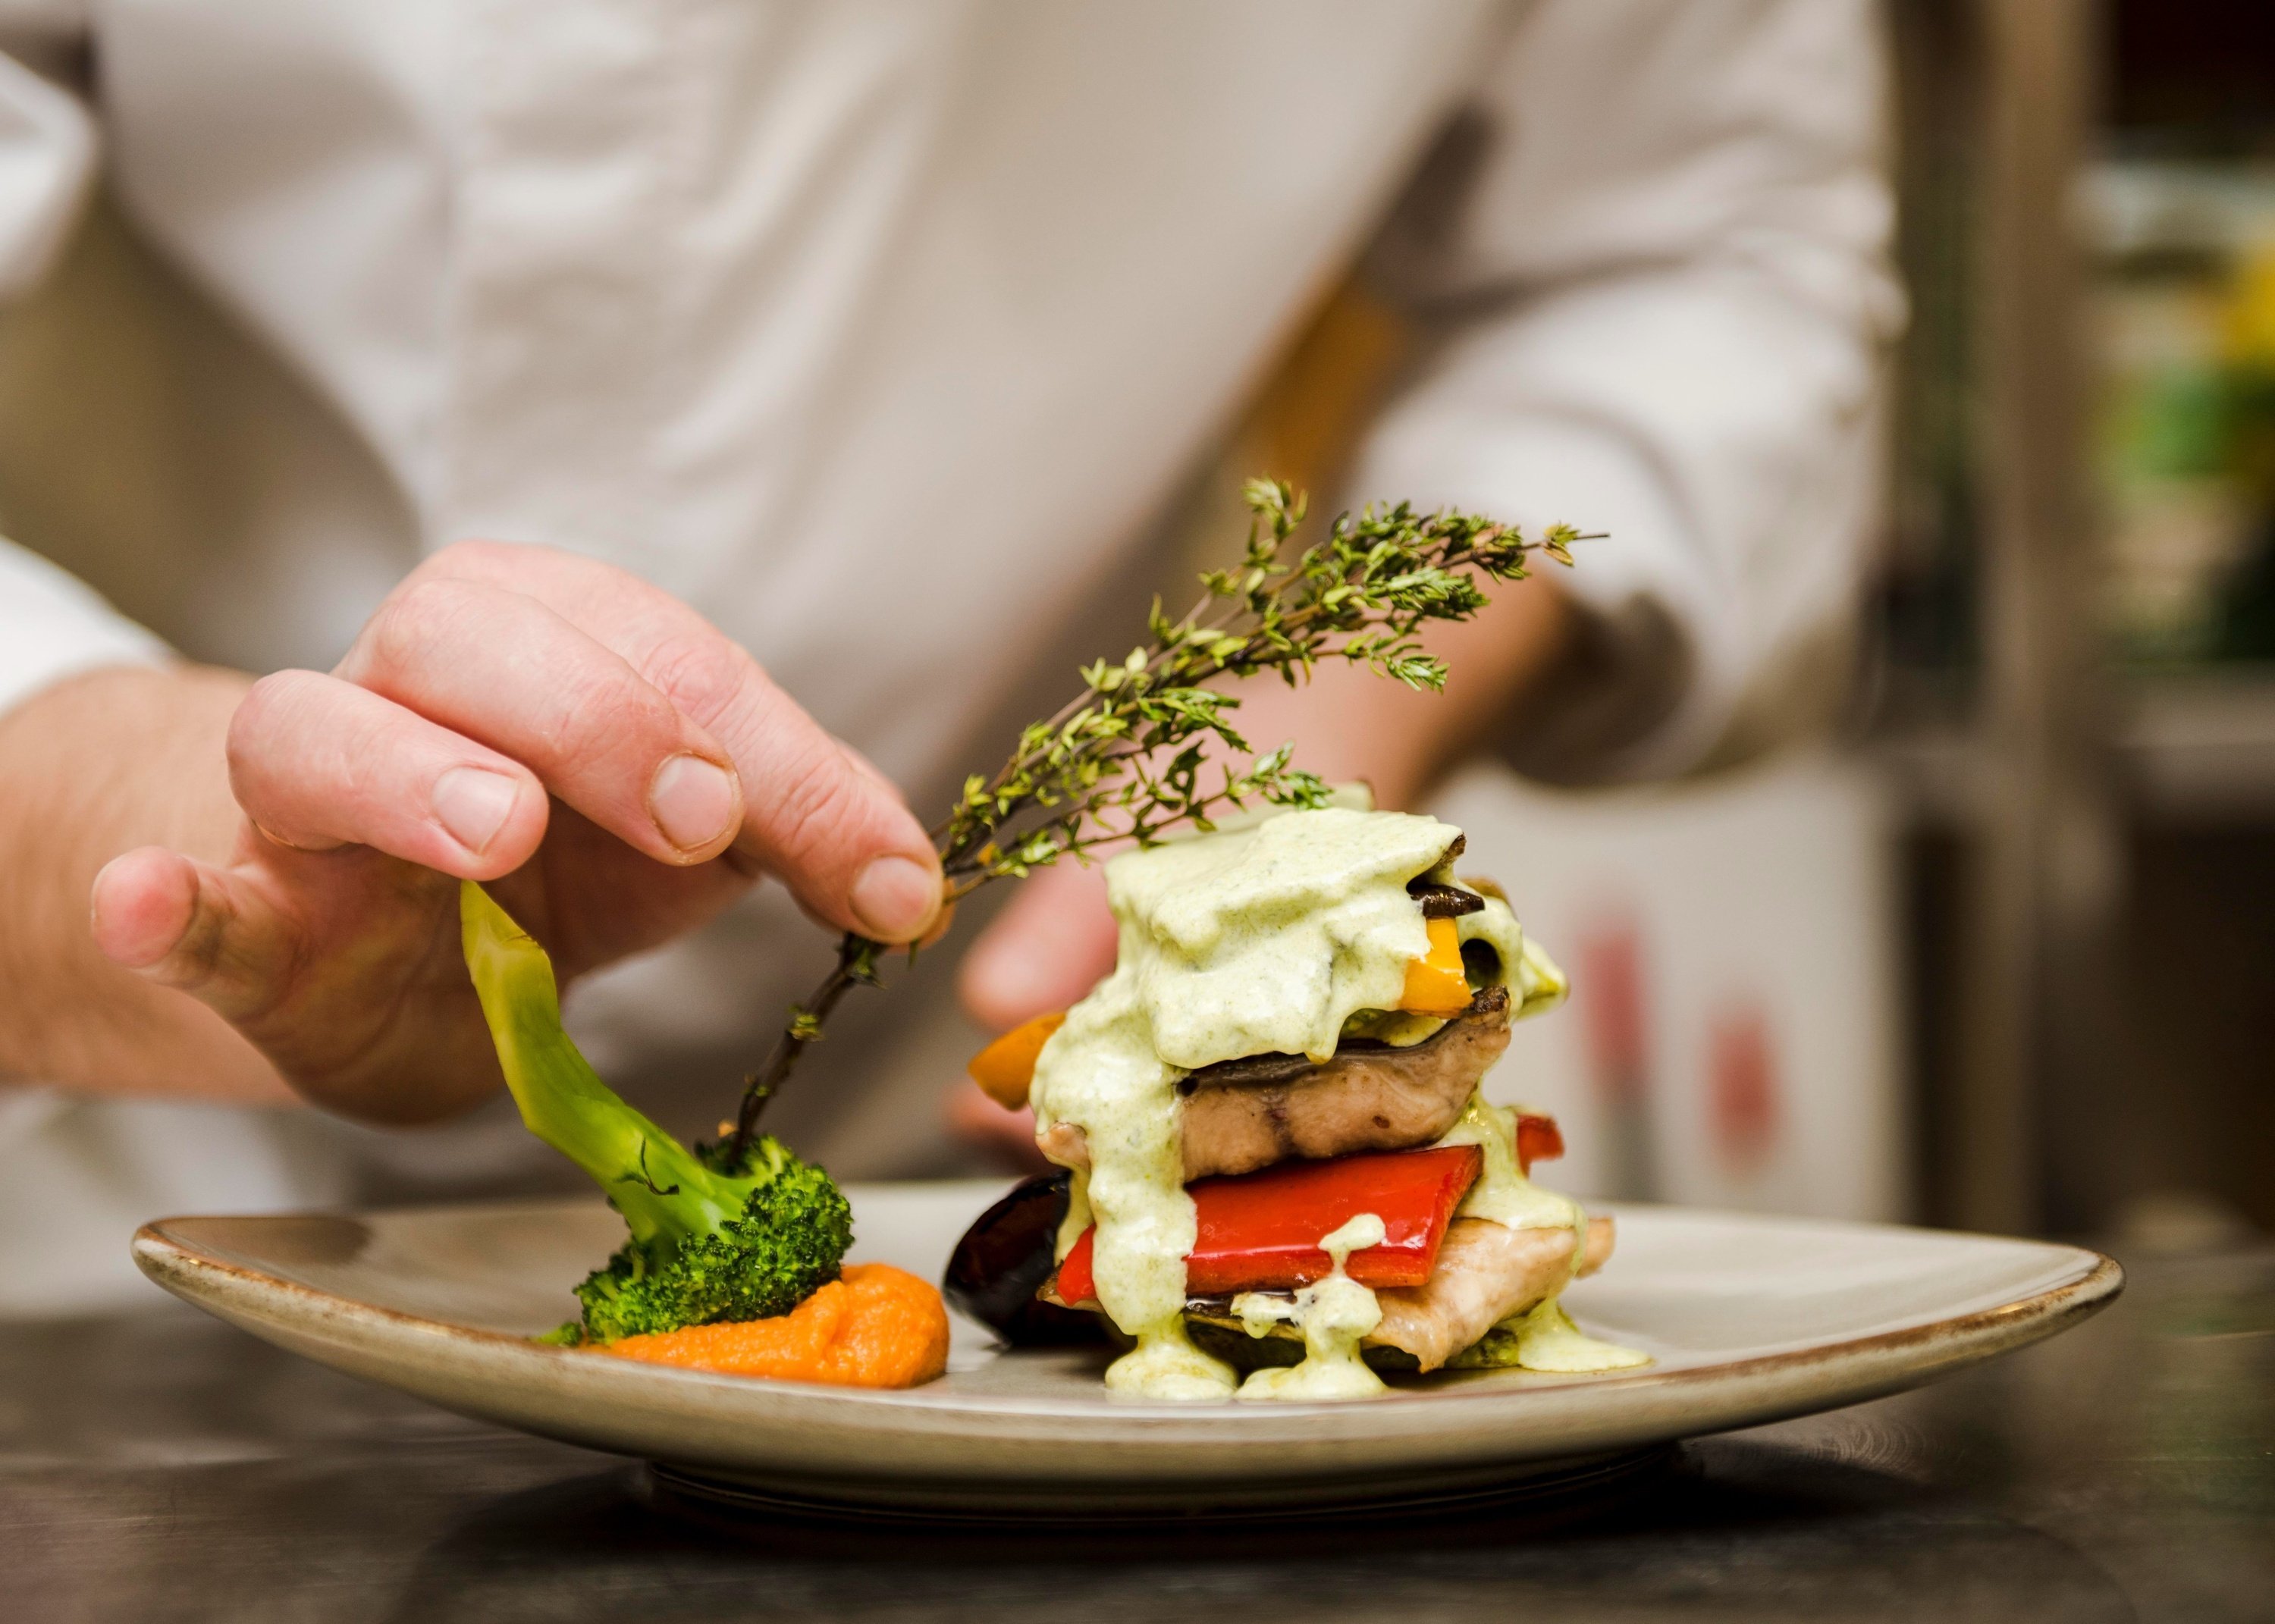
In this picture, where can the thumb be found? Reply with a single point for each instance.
(190, 926)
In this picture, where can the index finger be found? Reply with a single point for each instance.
(814, 816)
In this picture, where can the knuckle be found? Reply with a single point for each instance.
(268, 710)
(705, 675)
(597, 709)
(414, 627)
(392, 636)
(416, 617)
(475, 559)
(815, 806)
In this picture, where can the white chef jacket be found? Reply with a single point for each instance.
(833, 316)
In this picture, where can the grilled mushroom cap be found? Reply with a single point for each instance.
(1243, 1114)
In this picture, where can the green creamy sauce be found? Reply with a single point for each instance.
(1099, 1071)
(1333, 1314)
(1502, 1193)
(1544, 1337)
(1250, 942)
(1266, 940)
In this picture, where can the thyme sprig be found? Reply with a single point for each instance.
(1129, 758)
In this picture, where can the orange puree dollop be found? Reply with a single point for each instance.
(874, 1326)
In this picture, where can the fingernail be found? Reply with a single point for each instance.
(895, 897)
(692, 802)
(473, 804)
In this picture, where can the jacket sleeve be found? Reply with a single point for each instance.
(50, 625)
(1650, 264)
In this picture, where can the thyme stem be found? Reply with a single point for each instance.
(855, 966)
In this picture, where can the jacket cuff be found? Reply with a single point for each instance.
(1651, 677)
(53, 626)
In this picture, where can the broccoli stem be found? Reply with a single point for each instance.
(664, 1193)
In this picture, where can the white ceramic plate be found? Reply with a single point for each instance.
(1749, 1319)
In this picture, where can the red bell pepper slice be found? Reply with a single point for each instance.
(1538, 1139)
(1262, 1231)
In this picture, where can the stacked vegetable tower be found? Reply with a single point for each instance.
(1271, 1113)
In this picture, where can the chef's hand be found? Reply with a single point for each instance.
(611, 765)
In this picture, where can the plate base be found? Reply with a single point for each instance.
(1554, 1489)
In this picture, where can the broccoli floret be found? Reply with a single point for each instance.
(788, 1242)
(709, 1239)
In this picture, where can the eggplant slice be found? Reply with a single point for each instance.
(1440, 900)
(1003, 1260)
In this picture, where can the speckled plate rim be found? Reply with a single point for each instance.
(851, 1444)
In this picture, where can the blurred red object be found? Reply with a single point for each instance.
(1609, 994)
(1742, 1084)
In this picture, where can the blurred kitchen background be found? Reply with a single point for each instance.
(2004, 957)
(1995, 951)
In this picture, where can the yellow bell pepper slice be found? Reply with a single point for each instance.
(1435, 984)
(1005, 1069)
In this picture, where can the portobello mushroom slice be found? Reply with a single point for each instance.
(1440, 900)
(1243, 1115)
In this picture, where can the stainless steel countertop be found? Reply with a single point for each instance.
(161, 1466)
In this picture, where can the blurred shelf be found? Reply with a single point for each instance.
(2193, 747)
(2200, 745)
